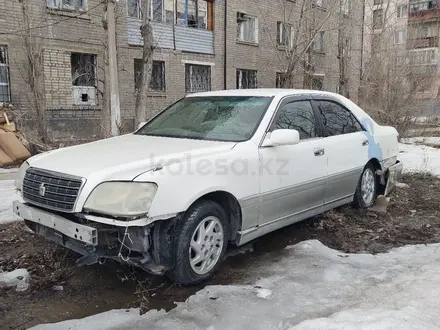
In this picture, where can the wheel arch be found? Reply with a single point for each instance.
(231, 206)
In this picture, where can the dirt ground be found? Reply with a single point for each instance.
(413, 218)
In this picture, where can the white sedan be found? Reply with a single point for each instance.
(213, 169)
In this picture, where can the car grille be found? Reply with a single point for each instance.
(51, 189)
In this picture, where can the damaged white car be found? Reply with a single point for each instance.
(212, 170)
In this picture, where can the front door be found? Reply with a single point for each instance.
(292, 178)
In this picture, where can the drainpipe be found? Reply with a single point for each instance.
(225, 61)
(362, 42)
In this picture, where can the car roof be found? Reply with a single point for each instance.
(268, 92)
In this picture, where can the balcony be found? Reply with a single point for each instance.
(173, 37)
(429, 15)
(428, 42)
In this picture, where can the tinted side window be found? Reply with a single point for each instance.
(297, 115)
(336, 120)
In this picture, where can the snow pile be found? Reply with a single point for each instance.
(308, 287)
(18, 278)
(423, 140)
(9, 170)
(419, 158)
(8, 194)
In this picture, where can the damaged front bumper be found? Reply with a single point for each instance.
(148, 247)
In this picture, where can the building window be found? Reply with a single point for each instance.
(378, 2)
(4, 75)
(247, 28)
(280, 81)
(315, 82)
(83, 68)
(420, 5)
(402, 11)
(246, 79)
(197, 78)
(318, 43)
(284, 35)
(400, 37)
(345, 7)
(157, 80)
(321, 3)
(377, 19)
(190, 13)
(80, 5)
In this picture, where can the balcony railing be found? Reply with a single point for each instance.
(173, 37)
(424, 15)
(423, 42)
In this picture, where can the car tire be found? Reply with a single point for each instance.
(200, 242)
(366, 190)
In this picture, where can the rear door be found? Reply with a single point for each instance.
(346, 147)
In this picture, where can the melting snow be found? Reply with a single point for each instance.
(309, 287)
(8, 194)
(18, 278)
(419, 158)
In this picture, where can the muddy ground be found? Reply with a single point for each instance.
(413, 218)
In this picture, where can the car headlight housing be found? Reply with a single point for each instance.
(18, 182)
(124, 199)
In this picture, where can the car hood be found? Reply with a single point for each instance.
(124, 157)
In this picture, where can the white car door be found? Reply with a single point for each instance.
(346, 147)
(293, 177)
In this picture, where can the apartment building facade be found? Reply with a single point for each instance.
(200, 45)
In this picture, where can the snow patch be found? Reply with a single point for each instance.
(18, 278)
(264, 294)
(419, 158)
(8, 194)
(310, 287)
(9, 170)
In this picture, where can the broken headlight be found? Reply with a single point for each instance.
(125, 199)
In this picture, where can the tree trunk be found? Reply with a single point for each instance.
(35, 72)
(147, 53)
(106, 117)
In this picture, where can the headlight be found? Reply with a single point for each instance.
(20, 175)
(121, 198)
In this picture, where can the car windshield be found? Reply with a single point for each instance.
(220, 118)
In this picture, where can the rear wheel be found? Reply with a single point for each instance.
(200, 243)
(366, 190)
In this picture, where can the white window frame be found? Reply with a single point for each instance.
(281, 26)
(240, 36)
(397, 35)
(4, 48)
(59, 4)
(321, 3)
(319, 36)
(345, 7)
(402, 11)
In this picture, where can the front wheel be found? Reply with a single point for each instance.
(365, 195)
(201, 240)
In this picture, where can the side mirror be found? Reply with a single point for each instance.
(281, 137)
(141, 124)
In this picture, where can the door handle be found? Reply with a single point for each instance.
(365, 143)
(319, 152)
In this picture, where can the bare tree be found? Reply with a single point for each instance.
(392, 82)
(302, 23)
(33, 67)
(146, 67)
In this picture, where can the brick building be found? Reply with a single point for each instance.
(200, 45)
